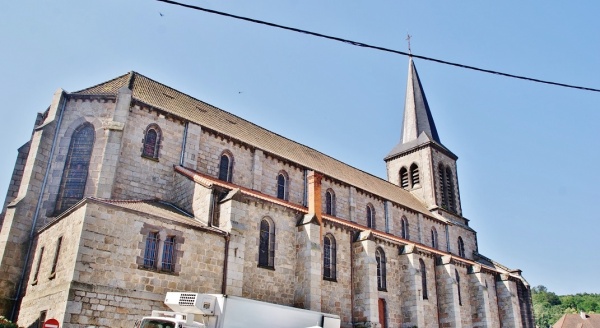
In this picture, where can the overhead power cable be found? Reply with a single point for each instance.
(364, 45)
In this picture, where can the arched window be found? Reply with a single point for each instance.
(282, 189)
(450, 190)
(414, 175)
(74, 178)
(423, 278)
(266, 244)
(370, 216)
(404, 228)
(404, 178)
(381, 274)
(461, 247)
(225, 167)
(434, 238)
(442, 183)
(329, 257)
(151, 141)
(330, 202)
(458, 286)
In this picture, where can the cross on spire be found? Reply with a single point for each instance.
(408, 36)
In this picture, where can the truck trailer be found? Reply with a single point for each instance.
(193, 310)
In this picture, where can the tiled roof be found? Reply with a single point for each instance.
(177, 103)
(154, 207)
(582, 320)
(107, 88)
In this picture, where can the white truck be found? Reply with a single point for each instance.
(192, 310)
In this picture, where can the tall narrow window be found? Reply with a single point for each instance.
(404, 228)
(225, 168)
(282, 186)
(55, 261)
(458, 286)
(330, 202)
(151, 250)
(414, 175)
(329, 257)
(381, 274)
(39, 264)
(266, 246)
(450, 190)
(151, 141)
(218, 196)
(168, 257)
(370, 216)
(461, 247)
(74, 178)
(423, 278)
(442, 183)
(41, 319)
(434, 238)
(404, 178)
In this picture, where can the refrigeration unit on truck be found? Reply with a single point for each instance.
(193, 310)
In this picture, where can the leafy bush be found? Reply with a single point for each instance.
(549, 307)
(5, 323)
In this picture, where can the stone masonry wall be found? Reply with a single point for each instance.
(108, 271)
(49, 292)
(336, 295)
(210, 150)
(15, 181)
(78, 112)
(271, 167)
(18, 219)
(422, 158)
(139, 177)
(264, 284)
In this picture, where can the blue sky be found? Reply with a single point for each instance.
(528, 153)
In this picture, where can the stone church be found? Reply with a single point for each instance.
(130, 189)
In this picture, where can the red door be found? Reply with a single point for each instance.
(382, 313)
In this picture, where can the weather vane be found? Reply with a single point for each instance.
(408, 36)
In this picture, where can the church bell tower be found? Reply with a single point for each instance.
(420, 163)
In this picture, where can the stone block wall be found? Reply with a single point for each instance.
(336, 295)
(139, 177)
(469, 239)
(277, 285)
(15, 181)
(212, 147)
(271, 167)
(342, 192)
(77, 112)
(107, 258)
(46, 290)
(421, 157)
(361, 200)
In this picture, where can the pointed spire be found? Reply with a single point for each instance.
(418, 126)
(417, 116)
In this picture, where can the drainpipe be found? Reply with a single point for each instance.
(305, 195)
(227, 237)
(437, 293)
(351, 279)
(38, 207)
(183, 142)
